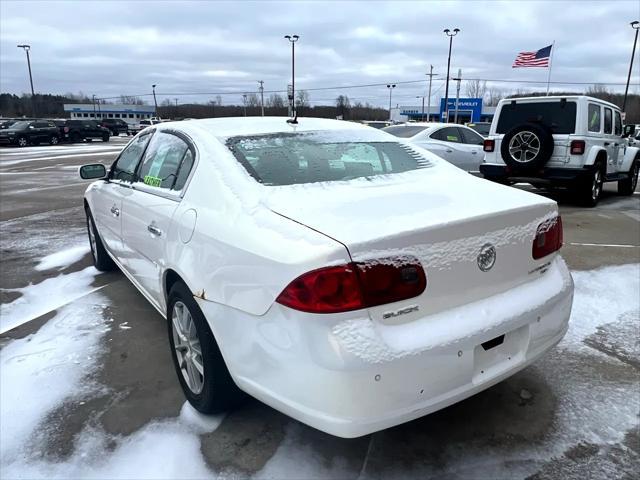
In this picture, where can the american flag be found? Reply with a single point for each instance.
(533, 59)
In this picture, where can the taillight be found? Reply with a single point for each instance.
(577, 147)
(489, 145)
(66, 129)
(548, 238)
(355, 286)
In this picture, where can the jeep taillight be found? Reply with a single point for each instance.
(548, 238)
(489, 145)
(66, 129)
(355, 286)
(577, 147)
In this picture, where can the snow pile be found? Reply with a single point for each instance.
(39, 372)
(64, 258)
(43, 297)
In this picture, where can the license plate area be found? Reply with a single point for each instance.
(499, 354)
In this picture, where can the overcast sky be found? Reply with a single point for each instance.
(111, 48)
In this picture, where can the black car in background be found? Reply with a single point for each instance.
(34, 132)
(79, 130)
(115, 125)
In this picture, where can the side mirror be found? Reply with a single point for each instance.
(95, 170)
(628, 130)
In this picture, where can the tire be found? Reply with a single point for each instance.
(527, 147)
(105, 138)
(211, 390)
(590, 189)
(101, 259)
(22, 142)
(628, 185)
(54, 140)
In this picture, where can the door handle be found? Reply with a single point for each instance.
(115, 211)
(154, 230)
(606, 144)
(473, 152)
(448, 150)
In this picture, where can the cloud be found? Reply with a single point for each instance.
(111, 48)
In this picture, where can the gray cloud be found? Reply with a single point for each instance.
(109, 48)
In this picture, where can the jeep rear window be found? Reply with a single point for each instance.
(559, 116)
(319, 156)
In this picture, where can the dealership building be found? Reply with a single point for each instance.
(469, 110)
(129, 113)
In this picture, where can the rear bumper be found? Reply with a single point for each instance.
(341, 375)
(548, 174)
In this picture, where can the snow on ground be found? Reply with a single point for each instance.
(63, 258)
(589, 409)
(40, 371)
(46, 296)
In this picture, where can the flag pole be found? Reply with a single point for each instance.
(553, 47)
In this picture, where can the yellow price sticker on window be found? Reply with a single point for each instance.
(152, 181)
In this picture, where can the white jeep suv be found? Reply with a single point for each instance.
(561, 141)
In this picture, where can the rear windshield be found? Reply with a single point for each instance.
(308, 157)
(559, 116)
(404, 131)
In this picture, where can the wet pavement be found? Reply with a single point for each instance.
(573, 414)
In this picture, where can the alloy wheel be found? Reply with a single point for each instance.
(92, 237)
(596, 186)
(22, 142)
(524, 146)
(187, 347)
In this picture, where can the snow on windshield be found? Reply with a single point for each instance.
(321, 156)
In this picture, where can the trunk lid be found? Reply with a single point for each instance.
(439, 215)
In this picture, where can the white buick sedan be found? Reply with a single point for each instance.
(333, 271)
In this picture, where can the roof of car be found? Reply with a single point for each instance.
(237, 126)
(559, 97)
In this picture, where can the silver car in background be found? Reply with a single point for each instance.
(457, 144)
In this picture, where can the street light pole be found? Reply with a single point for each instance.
(457, 94)
(449, 34)
(391, 86)
(635, 25)
(244, 103)
(93, 97)
(293, 39)
(422, 97)
(26, 49)
(430, 75)
(155, 102)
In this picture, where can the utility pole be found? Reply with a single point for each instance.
(26, 49)
(391, 86)
(636, 26)
(176, 114)
(93, 97)
(244, 103)
(261, 88)
(446, 90)
(457, 94)
(430, 75)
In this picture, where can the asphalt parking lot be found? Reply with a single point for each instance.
(573, 414)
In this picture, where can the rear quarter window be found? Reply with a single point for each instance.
(558, 116)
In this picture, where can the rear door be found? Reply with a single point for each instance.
(472, 144)
(148, 211)
(109, 196)
(447, 143)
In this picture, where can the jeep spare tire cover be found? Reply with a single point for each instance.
(527, 146)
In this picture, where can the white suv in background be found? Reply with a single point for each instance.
(567, 141)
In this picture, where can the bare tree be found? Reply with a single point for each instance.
(476, 88)
(252, 100)
(131, 100)
(493, 96)
(302, 98)
(275, 101)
